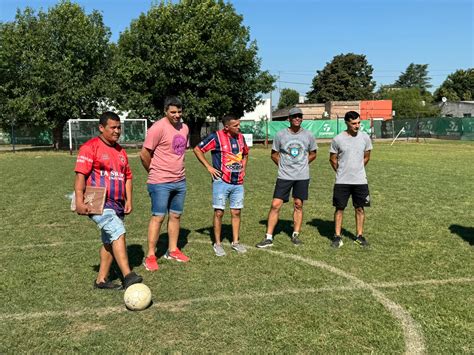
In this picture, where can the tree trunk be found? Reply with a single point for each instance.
(195, 132)
(58, 136)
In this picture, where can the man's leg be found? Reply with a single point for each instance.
(359, 219)
(176, 207)
(235, 218)
(273, 215)
(174, 221)
(106, 259)
(154, 227)
(297, 214)
(338, 214)
(217, 223)
(119, 251)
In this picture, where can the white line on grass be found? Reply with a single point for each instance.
(414, 343)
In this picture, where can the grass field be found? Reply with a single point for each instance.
(411, 291)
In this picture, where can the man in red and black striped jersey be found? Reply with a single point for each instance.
(101, 161)
(229, 159)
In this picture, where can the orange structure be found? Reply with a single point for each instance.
(373, 109)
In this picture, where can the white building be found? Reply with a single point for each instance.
(262, 111)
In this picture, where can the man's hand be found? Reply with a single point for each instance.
(128, 207)
(82, 208)
(216, 174)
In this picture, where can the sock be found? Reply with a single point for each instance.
(295, 235)
(269, 236)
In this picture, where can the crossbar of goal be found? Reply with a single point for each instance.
(133, 131)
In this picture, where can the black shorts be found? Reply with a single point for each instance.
(360, 195)
(283, 187)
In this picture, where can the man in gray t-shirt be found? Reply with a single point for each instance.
(349, 154)
(293, 149)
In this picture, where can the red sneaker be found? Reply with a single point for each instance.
(150, 263)
(176, 255)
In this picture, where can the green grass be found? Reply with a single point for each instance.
(292, 300)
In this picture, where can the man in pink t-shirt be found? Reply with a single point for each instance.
(162, 156)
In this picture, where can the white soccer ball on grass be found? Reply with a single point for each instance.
(137, 297)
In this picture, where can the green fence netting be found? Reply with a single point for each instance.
(437, 127)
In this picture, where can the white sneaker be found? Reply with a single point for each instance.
(239, 248)
(218, 249)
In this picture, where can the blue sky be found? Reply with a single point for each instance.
(298, 37)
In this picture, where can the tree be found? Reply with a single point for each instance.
(197, 50)
(346, 77)
(288, 98)
(409, 103)
(52, 67)
(458, 86)
(415, 76)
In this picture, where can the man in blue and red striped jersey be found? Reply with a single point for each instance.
(101, 161)
(229, 159)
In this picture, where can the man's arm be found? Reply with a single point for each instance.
(128, 196)
(245, 160)
(216, 174)
(333, 161)
(312, 156)
(145, 157)
(79, 188)
(366, 157)
(275, 157)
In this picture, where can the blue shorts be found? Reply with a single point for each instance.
(221, 191)
(167, 197)
(110, 225)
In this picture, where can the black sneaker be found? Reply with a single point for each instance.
(337, 242)
(107, 285)
(361, 241)
(296, 241)
(131, 279)
(265, 243)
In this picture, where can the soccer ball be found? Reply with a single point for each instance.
(137, 297)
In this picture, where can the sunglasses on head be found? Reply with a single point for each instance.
(298, 115)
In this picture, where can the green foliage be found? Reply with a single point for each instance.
(419, 226)
(415, 76)
(52, 66)
(346, 77)
(288, 98)
(458, 86)
(198, 50)
(409, 103)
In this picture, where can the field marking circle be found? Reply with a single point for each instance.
(414, 343)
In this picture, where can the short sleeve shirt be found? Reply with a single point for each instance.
(227, 155)
(168, 144)
(294, 149)
(350, 157)
(105, 166)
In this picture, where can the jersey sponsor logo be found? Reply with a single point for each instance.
(83, 159)
(233, 162)
(179, 144)
(113, 175)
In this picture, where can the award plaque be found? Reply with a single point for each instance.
(94, 198)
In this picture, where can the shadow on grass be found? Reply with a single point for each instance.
(326, 229)
(162, 245)
(283, 226)
(466, 233)
(136, 253)
(226, 232)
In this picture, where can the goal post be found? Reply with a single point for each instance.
(81, 130)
